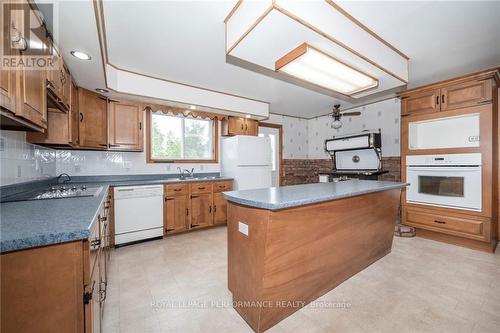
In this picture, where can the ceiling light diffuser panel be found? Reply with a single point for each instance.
(315, 42)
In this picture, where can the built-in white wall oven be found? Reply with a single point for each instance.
(450, 180)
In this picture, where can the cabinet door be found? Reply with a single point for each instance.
(95, 301)
(7, 77)
(125, 126)
(74, 115)
(251, 127)
(176, 213)
(103, 281)
(54, 75)
(201, 210)
(93, 127)
(66, 86)
(423, 102)
(466, 94)
(236, 126)
(220, 209)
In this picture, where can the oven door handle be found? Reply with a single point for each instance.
(444, 169)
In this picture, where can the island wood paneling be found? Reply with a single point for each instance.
(301, 253)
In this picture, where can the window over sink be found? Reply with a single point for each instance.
(183, 139)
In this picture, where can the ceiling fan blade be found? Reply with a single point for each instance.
(351, 113)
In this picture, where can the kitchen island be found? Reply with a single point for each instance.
(289, 245)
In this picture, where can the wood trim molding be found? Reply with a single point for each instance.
(215, 133)
(302, 49)
(280, 153)
(103, 45)
(484, 74)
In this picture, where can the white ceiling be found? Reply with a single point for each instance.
(184, 41)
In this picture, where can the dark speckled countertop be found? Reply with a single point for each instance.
(26, 224)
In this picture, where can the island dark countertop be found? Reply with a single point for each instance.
(276, 198)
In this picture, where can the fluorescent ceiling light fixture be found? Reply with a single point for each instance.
(80, 55)
(314, 66)
(192, 107)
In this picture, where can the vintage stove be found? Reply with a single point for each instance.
(357, 156)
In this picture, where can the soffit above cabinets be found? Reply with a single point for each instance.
(259, 33)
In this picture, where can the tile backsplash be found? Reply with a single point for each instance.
(21, 161)
(91, 163)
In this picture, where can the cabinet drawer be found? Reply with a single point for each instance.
(223, 186)
(176, 189)
(458, 226)
(205, 187)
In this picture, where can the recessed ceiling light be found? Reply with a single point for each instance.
(192, 107)
(80, 55)
(248, 116)
(312, 65)
(101, 90)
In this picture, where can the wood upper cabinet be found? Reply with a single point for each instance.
(466, 94)
(201, 210)
(66, 86)
(424, 102)
(74, 115)
(239, 126)
(93, 129)
(55, 74)
(7, 77)
(448, 96)
(125, 126)
(176, 211)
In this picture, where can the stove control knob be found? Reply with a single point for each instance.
(62, 189)
(73, 188)
(84, 187)
(53, 189)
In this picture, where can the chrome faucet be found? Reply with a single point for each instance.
(190, 173)
(67, 180)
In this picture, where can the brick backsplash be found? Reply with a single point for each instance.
(302, 171)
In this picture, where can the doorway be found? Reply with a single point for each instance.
(274, 133)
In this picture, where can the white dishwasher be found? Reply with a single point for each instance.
(138, 213)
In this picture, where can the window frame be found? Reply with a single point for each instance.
(215, 143)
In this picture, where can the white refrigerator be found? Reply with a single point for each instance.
(246, 159)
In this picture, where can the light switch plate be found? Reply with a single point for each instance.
(243, 228)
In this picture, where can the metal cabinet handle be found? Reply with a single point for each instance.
(81, 117)
(114, 145)
(246, 127)
(167, 199)
(194, 196)
(442, 99)
(215, 208)
(209, 209)
(103, 292)
(201, 188)
(437, 100)
(87, 296)
(177, 189)
(440, 222)
(103, 144)
(187, 211)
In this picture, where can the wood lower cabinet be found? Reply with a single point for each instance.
(125, 126)
(239, 126)
(176, 213)
(61, 287)
(194, 205)
(201, 210)
(93, 113)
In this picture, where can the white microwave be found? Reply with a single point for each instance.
(448, 132)
(452, 180)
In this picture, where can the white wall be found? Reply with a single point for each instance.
(295, 137)
(21, 161)
(384, 115)
(304, 138)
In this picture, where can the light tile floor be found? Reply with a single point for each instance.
(179, 284)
